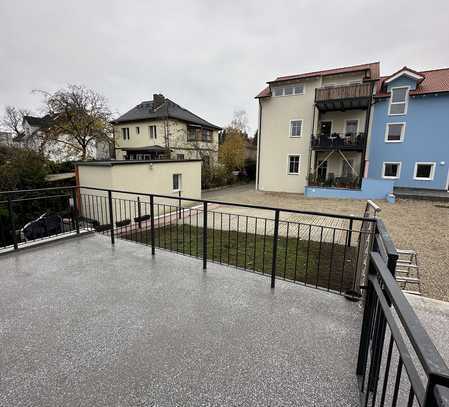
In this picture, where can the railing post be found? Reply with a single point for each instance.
(349, 239)
(139, 212)
(13, 222)
(275, 247)
(75, 211)
(204, 235)
(153, 248)
(179, 194)
(111, 216)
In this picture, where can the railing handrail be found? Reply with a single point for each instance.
(425, 349)
(251, 206)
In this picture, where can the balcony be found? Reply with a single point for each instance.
(218, 304)
(339, 141)
(343, 97)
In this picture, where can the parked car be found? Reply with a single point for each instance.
(45, 225)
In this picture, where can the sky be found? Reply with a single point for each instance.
(211, 57)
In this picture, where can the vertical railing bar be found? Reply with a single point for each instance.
(111, 216)
(344, 265)
(297, 249)
(153, 249)
(75, 211)
(286, 249)
(255, 244)
(190, 231)
(387, 372)
(13, 222)
(307, 255)
(229, 239)
(213, 236)
(411, 396)
(331, 260)
(221, 237)
(246, 241)
(237, 242)
(275, 245)
(263, 248)
(204, 235)
(319, 258)
(397, 383)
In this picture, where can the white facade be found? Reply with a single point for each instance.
(280, 143)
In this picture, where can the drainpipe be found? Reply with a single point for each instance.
(367, 121)
(259, 144)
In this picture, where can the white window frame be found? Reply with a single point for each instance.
(432, 171)
(288, 164)
(401, 140)
(397, 103)
(351, 120)
(179, 175)
(290, 128)
(125, 133)
(398, 175)
(154, 137)
(294, 90)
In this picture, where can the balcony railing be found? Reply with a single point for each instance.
(333, 181)
(339, 141)
(343, 97)
(357, 90)
(353, 254)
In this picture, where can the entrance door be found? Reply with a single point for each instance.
(325, 128)
(322, 170)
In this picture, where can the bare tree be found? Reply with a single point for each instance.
(79, 118)
(13, 119)
(240, 121)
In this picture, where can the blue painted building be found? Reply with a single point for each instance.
(409, 138)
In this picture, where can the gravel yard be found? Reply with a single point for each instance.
(419, 225)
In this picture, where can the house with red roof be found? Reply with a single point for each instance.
(313, 129)
(350, 133)
(409, 141)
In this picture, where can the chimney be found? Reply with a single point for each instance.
(158, 100)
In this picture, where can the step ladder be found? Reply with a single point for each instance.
(407, 272)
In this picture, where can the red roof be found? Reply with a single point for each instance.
(434, 81)
(372, 67)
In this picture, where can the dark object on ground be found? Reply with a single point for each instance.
(45, 225)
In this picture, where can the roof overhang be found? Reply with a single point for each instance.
(405, 72)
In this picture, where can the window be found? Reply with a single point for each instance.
(137, 130)
(293, 164)
(398, 101)
(352, 126)
(180, 156)
(289, 90)
(125, 133)
(394, 132)
(207, 135)
(152, 131)
(191, 133)
(176, 182)
(424, 171)
(295, 128)
(391, 170)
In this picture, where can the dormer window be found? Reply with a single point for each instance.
(398, 101)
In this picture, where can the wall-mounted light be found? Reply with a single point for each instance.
(442, 162)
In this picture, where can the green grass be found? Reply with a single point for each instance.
(324, 265)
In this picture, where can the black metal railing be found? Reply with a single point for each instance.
(312, 248)
(340, 141)
(397, 361)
